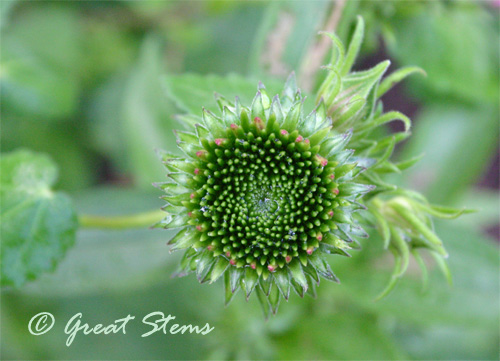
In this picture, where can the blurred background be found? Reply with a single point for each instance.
(83, 82)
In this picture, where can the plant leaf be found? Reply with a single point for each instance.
(37, 225)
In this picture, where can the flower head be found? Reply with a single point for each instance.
(261, 196)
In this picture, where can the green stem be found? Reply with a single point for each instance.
(139, 220)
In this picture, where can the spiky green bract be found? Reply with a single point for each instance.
(402, 217)
(261, 196)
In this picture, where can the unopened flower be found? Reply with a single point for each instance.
(262, 194)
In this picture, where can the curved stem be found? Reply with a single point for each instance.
(138, 220)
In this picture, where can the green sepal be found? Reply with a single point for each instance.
(344, 169)
(189, 149)
(395, 77)
(443, 212)
(171, 189)
(184, 239)
(348, 114)
(311, 289)
(401, 247)
(228, 293)
(432, 240)
(422, 266)
(263, 301)
(387, 154)
(310, 271)
(184, 264)
(297, 273)
(180, 178)
(342, 157)
(245, 120)
(202, 132)
(282, 280)
(387, 118)
(276, 110)
(338, 49)
(249, 281)
(235, 276)
(266, 283)
(222, 102)
(274, 298)
(335, 144)
(293, 116)
(443, 267)
(212, 122)
(173, 221)
(205, 263)
(187, 119)
(173, 209)
(258, 107)
(393, 280)
(164, 155)
(318, 136)
(360, 83)
(382, 225)
(297, 288)
(354, 46)
(218, 269)
(229, 117)
(179, 164)
(176, 200)
(289, 91)
(403, 165)
(351, 191)
(186, 137)
(322, 267)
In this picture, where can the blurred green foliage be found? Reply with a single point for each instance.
(85, 83)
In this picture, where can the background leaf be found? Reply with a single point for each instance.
(284, 35)
(37, 225)
(454, 162)
(456, 45)
(146, 115)
(191, 92)
(113, 260)
(40, 62)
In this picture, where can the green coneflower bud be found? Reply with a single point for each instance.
(262, 194)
